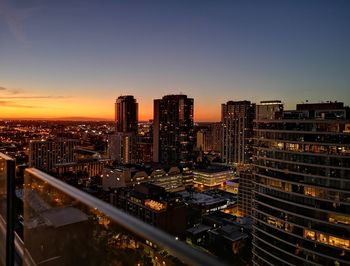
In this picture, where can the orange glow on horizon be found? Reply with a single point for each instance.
(88, 108)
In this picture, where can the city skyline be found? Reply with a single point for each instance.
(175, 132)
(75, 59)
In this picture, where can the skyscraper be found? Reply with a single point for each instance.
(126, 114)
(301, 203)
(237, 118)
(122, 144)
(266, 110)
(173, 129)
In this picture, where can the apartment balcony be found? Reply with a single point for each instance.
(62, 225)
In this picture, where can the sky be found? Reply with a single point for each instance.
(70, 59)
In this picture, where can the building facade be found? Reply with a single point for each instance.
(301, 206)
(44, 155)
(216, 137)
(153, 205)
(173, 132)
(131, 175)
(203, 140)
(269, 110)
(122, 146)
(245, 193)
(237, 119)
(126, 114)
(87, 168)
(212, 176)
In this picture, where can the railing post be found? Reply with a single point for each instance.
(10, 213)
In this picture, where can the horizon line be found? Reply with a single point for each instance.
(84, 119)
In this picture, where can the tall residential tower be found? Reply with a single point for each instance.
(301, 204)
(173, 129)
(126, 114)
(122, 144)
(237, 119)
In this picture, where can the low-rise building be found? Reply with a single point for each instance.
(202, 203)
(87, 168)
(130, 175)
(212, 176)
(225, 235)
(152, 204)
(44, 154)
(88, 163)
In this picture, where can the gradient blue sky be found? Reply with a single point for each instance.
(73, 58)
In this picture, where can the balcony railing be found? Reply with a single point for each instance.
(7, 191)
(66, 226)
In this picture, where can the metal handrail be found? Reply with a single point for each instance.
(186, 253)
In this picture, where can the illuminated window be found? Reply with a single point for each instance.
(155, 205)
(310, 191)
(322, 238)
(334, 218)
(309, 234)
(339, 242)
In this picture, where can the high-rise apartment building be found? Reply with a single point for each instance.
(144, 146)
(266, 110)
(237, 119)
(122, 145)
(301, 203)
(209, 137)
(44, 155)
(203, 140)
(173, 129)
(126, 114)
(216, 136)
(245, 192)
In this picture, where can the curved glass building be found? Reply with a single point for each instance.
(301, 206)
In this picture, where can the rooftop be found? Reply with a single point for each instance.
(320, 106)
(199, 228)
(58, 217)
(212, 168)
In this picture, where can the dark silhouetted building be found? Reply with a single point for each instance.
(203, 140)
(122, 145)
(153, 205)
(173, 129)
(245, 193)
(237, 118)
(144, 146)
(216, 137)
(126, 114)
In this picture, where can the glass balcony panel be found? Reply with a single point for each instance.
(65, 226)
(3, 207)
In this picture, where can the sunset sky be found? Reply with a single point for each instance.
(73, 58)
